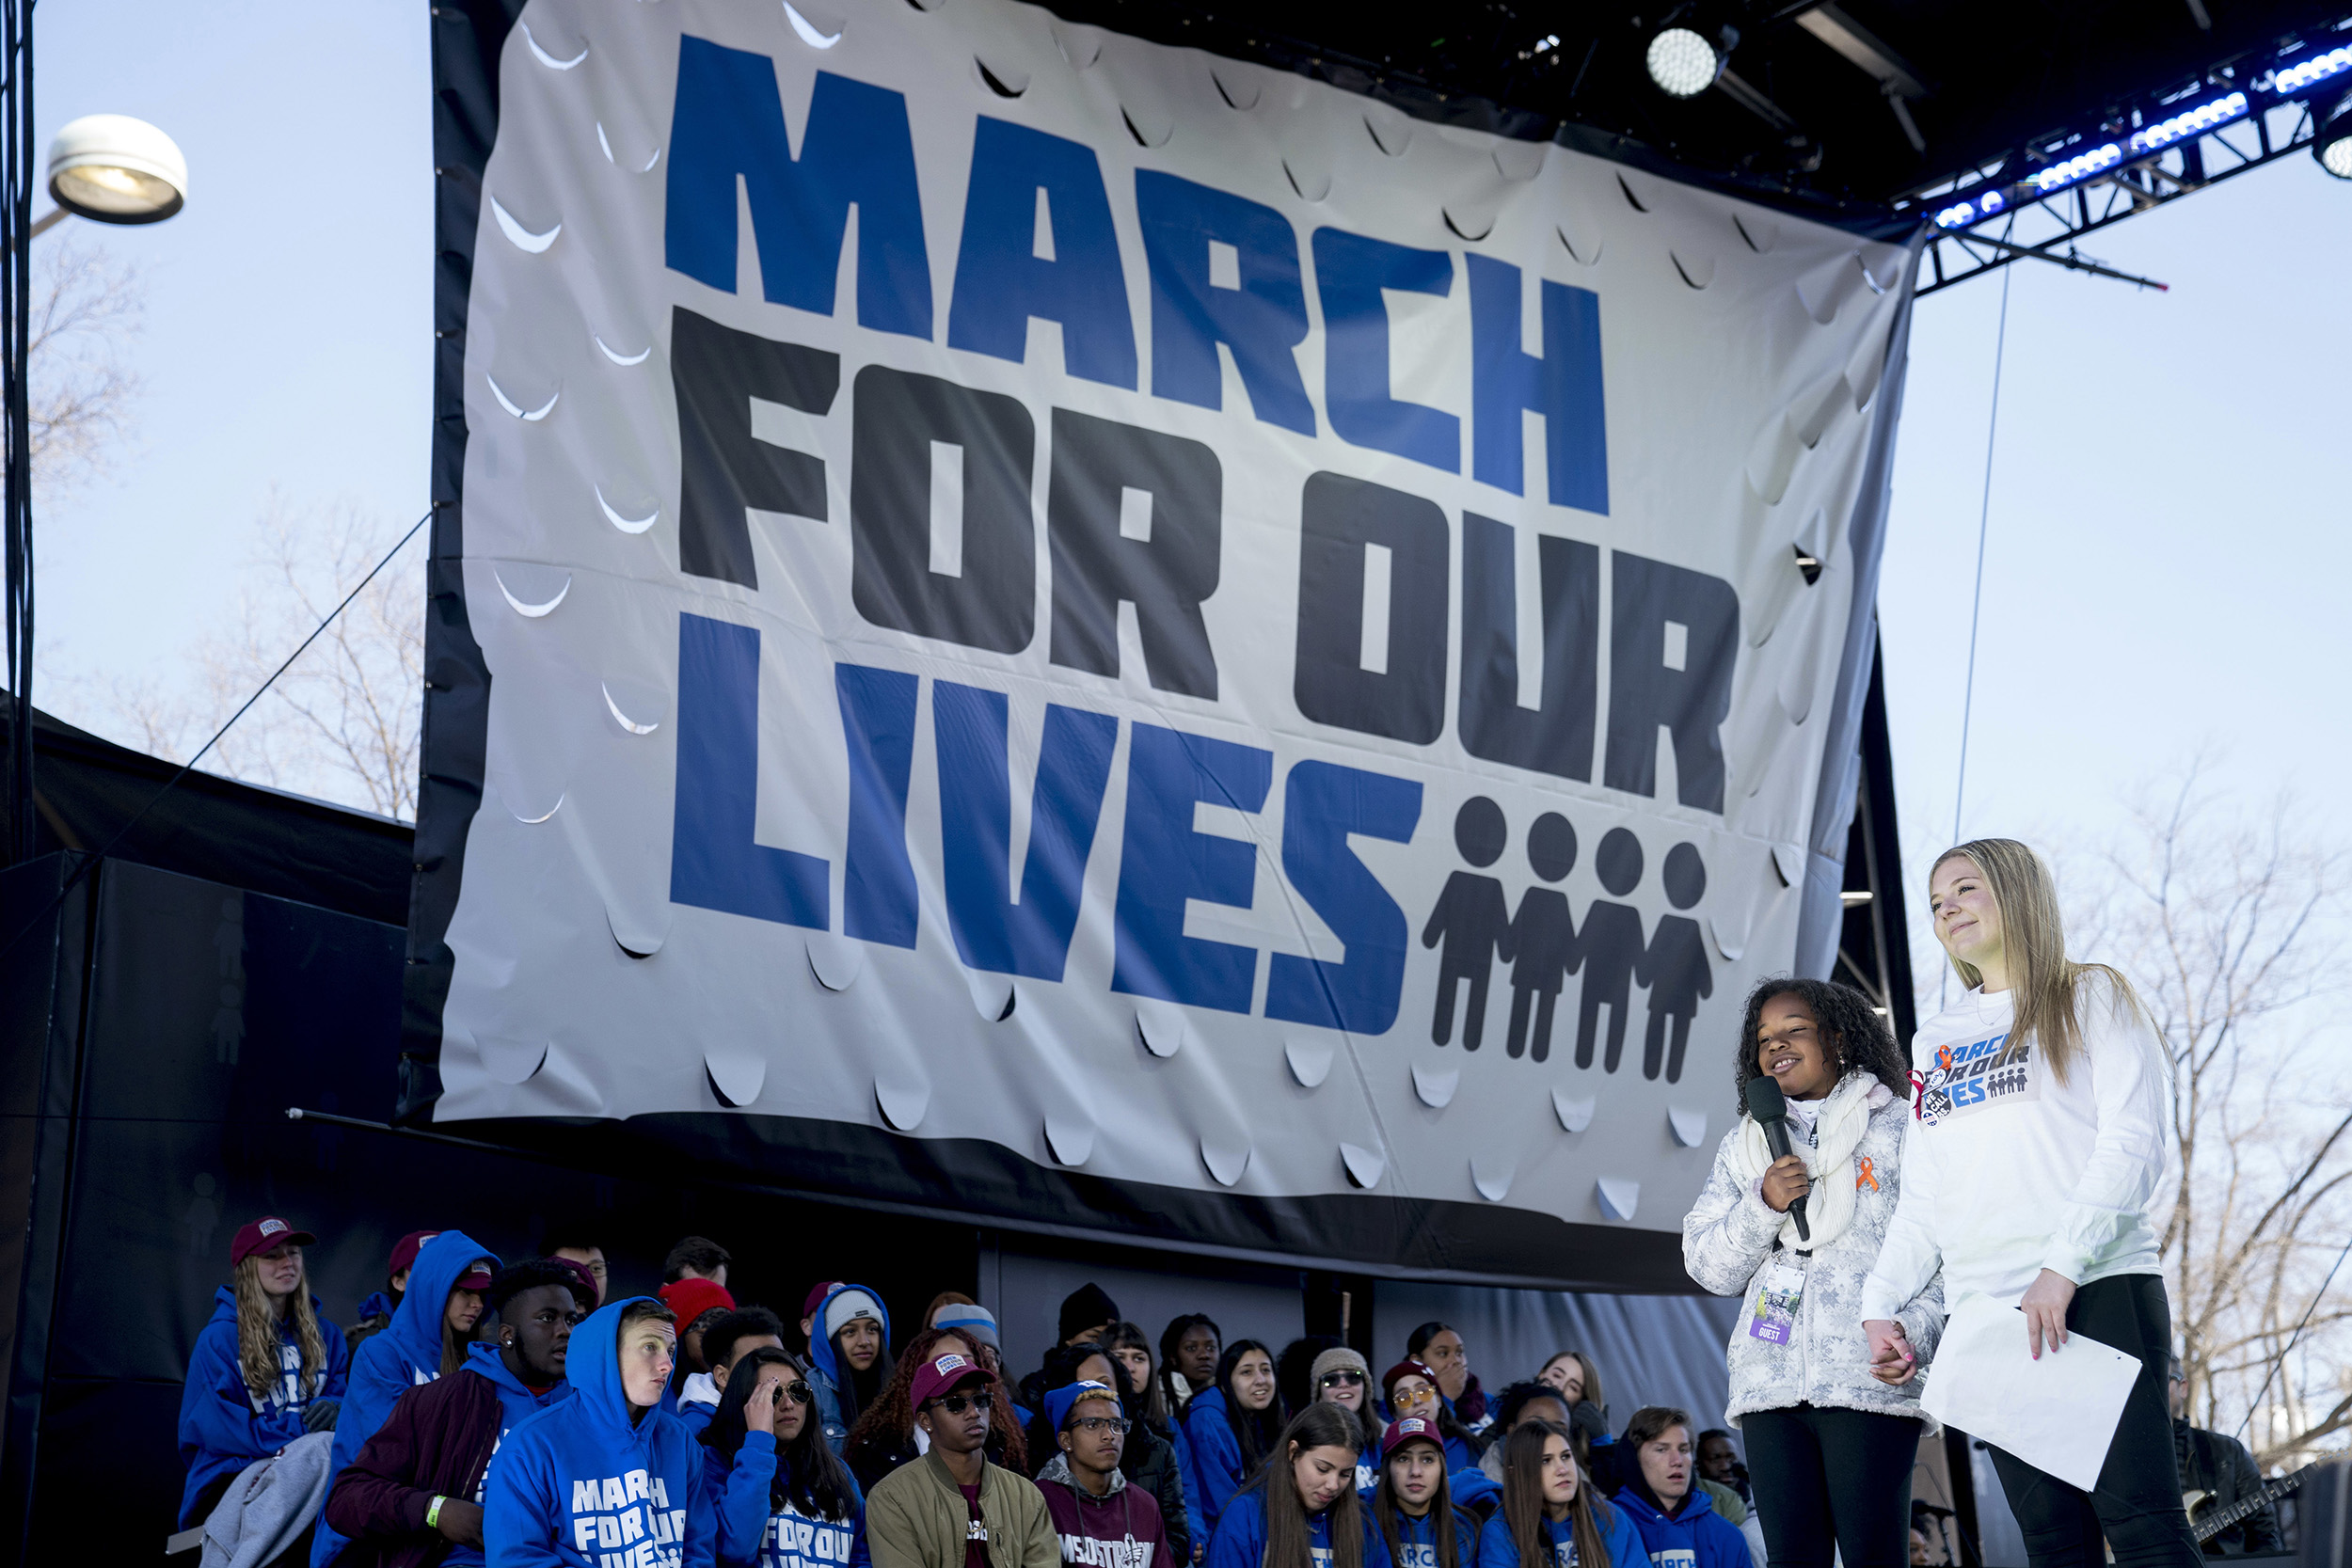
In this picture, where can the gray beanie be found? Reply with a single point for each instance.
(1337, 1359)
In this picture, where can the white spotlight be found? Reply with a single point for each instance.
(2332, 146)
(112, 169)
(1683, 63)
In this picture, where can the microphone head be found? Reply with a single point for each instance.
(1765, 1100)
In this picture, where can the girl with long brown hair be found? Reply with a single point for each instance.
(2039, 1129)
(1300, 1510)
(1549, 1517)
(267, 1368)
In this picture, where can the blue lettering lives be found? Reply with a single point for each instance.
(1165, 862)
(714, 864)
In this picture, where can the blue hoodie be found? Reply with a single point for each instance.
(220, 1430)
(516, 1404)
(406, 1353)
(583, 1487)
(1217, 1470)
(753, 1530)
(1417, 1539)
(1240, 1539)
(1496, 1549)
(1698, 1537)
(826, 1374)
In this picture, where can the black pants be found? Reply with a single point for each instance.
(2136, 1507)
(1832, 1481)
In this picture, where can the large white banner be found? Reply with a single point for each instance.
(1145, 610)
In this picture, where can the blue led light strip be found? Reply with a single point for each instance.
(2287, 82)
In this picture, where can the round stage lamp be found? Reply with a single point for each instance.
(111, 168)
(1683, 63)
(2332, 146)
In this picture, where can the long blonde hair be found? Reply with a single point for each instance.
(257, 1334)
(2045, 984)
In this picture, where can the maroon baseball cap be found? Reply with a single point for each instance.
(1412, 1429)
(263, 1234)
(817, 1296)
(476, 1277)
(947, 1372)
(405, 1250)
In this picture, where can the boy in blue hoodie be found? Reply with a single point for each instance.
(226, 1421)
(1678, 1525)
(414, 1495)
(443, 1298)
(607, 1478)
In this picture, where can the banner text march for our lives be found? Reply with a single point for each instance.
(1134, 516)
(1047, 593)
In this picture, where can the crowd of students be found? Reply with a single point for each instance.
(514, 1415)
(510, 1414)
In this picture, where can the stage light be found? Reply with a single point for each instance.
(1683, 63)
(2332, 146)
(111, 168)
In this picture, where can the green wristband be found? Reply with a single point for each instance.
(433, 1514)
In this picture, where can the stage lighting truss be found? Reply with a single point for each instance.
(2084, 182)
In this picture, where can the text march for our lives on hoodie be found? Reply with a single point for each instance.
(755, 1530)
(1240, 1539)
(2007, 1171)
(1696, 1537)
(406, 1353)
(1417, 1539)
(585, 1486)
(223, 1427)
(1497, 1549)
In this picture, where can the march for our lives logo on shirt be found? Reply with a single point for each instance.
(1673, 1556)
(1968, 1078)
(626, 1521)
(796, 1540)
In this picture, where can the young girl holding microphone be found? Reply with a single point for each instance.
(2037, 1138)
(1830, 1439)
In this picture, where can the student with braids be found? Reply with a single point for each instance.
(2038, 1140)
(1415, 1520)
(1830, 1437)
(1232, 1426)
(267, 1368)
(1301, 1508)
(783, 1498)
(1550, 1518)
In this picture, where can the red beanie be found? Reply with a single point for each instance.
(690, 1298)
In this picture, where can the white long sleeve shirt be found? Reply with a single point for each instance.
(2007, 1171)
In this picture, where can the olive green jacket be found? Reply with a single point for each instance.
(915, 1518)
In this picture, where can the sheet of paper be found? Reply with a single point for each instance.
(2057, 1414)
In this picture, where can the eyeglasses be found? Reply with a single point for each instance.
(1342, 1380)
(956, 1405)
(796, 1392)
(1103, 1423)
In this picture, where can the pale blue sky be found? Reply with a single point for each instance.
(2167, 553)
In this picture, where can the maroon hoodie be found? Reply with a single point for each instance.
(1122, 1529)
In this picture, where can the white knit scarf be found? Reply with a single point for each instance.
(1844, 1118)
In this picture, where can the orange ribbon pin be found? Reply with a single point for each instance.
(1864, 1177)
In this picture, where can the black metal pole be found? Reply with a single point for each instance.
(16, 499)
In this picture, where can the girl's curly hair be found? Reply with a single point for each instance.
(887, 1425)
(1852, 1033)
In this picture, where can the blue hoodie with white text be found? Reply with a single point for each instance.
(1497, 1549)
(755, 1530)
(223, 1428)
(1240, 1539)
(389, 1364)
(583, 1486)
(1697, 1537)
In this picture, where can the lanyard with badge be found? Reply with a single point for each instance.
(1779, 1291)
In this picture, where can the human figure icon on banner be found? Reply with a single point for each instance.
(1543, 936)
(1472, 919)
(1674, 966)
(1611, 946)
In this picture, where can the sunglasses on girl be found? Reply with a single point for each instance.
(1342, 1380)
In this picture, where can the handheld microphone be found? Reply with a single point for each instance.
(1770, 1107)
